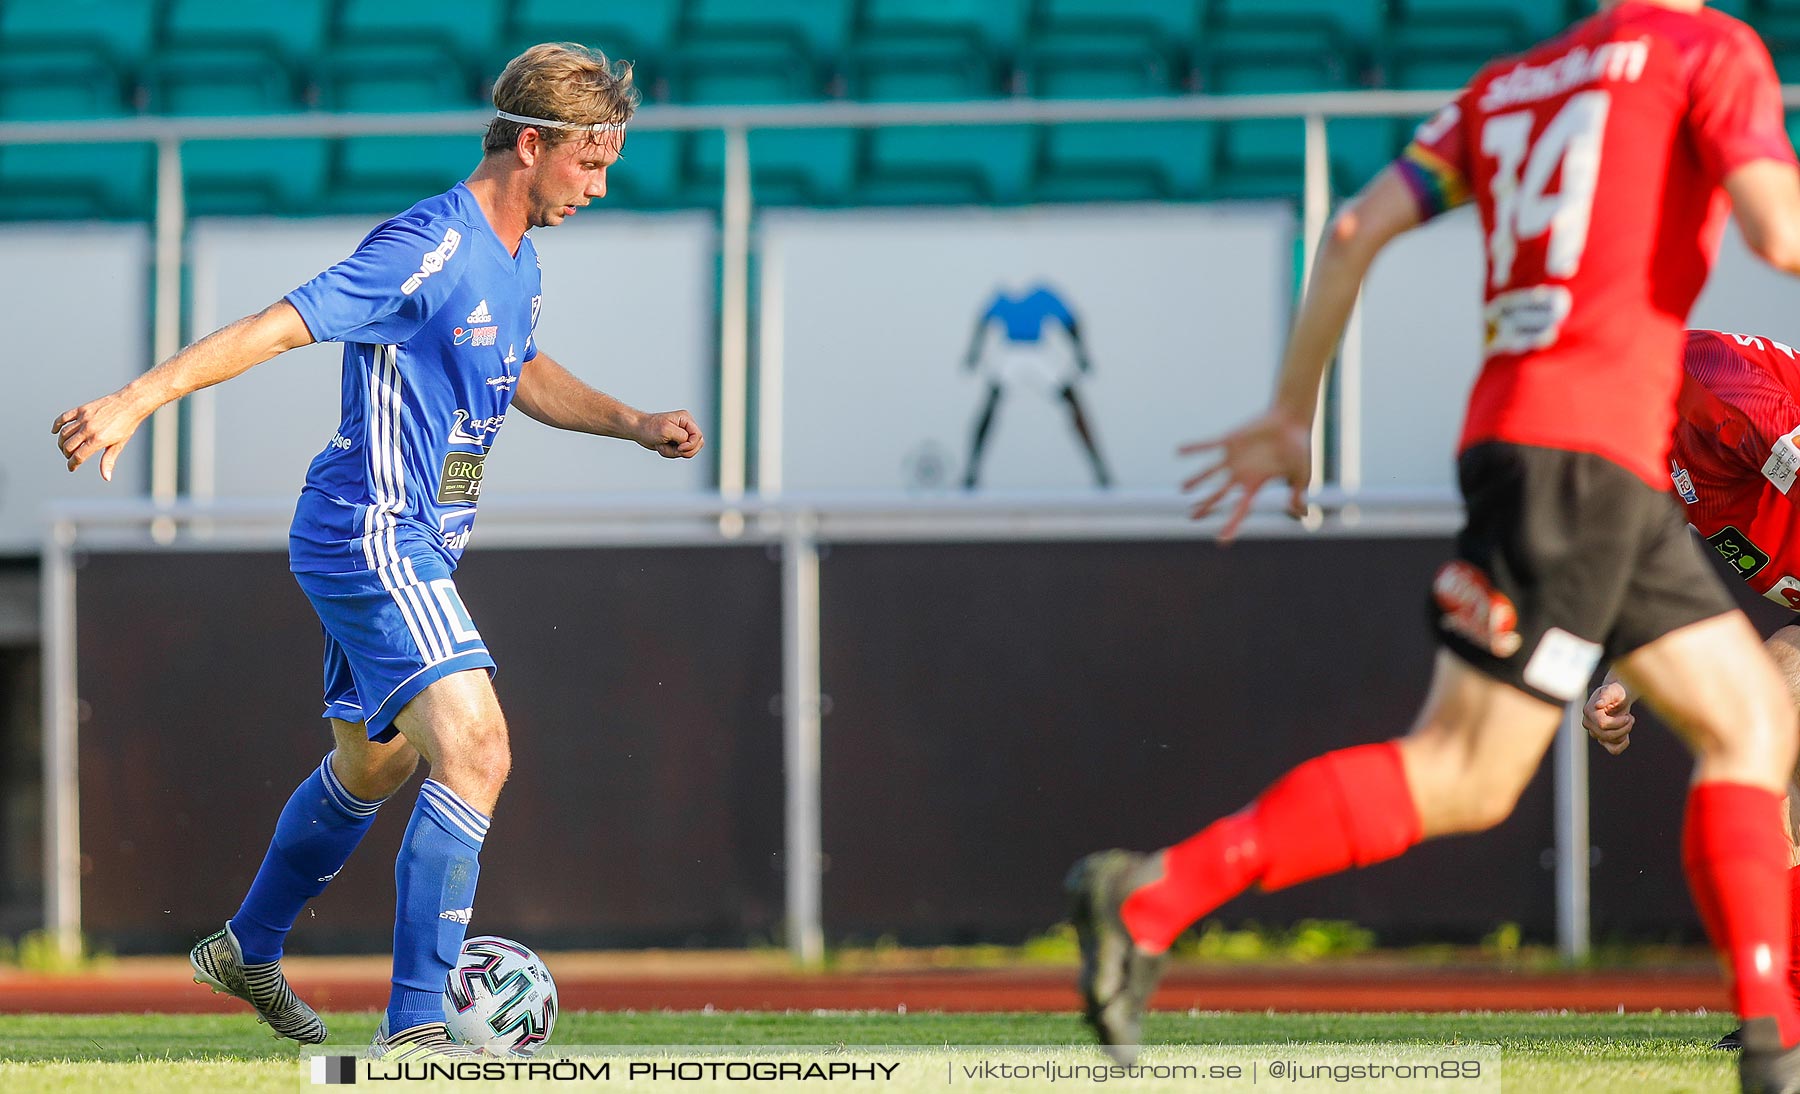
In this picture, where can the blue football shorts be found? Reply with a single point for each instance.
(388, 635)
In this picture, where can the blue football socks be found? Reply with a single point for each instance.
(319, 827)
(435, 876)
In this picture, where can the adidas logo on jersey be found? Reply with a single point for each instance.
(458, 915)
(479, 315)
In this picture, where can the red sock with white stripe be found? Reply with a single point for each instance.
(1346, 808)
(1735, 855)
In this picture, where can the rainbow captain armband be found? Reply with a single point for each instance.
(1436, 185)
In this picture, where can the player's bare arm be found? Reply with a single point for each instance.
(1278, 444)
(104, 425)
(1765, 198)
(557, 397)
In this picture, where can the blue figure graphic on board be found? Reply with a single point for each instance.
(1030, 341)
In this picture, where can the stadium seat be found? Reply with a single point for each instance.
(1155, 35)
(278, 175)
(1266, 157)
(291, 34)
(1349, 28)
(118, 33)
(817, 27)
(641, 31)
(971, 43)
(648, 174)
(1514, 23)
(63, 181)
(786, 166)
(1119, 161)
(940, 164)
(389, 173)
(463, 32)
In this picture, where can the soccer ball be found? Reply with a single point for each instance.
(500, 998)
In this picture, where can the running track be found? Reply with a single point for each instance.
(165, 987)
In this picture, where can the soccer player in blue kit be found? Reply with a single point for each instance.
(436, 309)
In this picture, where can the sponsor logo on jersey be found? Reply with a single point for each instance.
(1783, 462)
(479, 315)
(432, 261)
(1744, 557)
(1610, 61)
(501, 383)
(475, 336)
(510, 356)
(1684, 483)
(456, 527)
(468, 429)
(1526, 319)
(459, 482)
(458, 915)
(1474, 609)
(340, 442)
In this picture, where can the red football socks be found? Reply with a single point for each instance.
(1735, 855)
(1342, 809)
(1794, 932)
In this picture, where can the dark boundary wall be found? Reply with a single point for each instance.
(995, 711)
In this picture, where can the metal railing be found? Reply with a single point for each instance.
(797, 524)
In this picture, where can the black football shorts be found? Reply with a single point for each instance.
(1567, 559)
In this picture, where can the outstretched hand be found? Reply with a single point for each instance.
(101, 428)
(673, 435)
(1273, 446)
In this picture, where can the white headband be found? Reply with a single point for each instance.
(550, 123)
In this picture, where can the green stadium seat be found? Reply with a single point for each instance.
(1119, 161)
(463, 30)
(374, 174)
(291, 34)
(1355, 25)
(956, 39)
(121, 33)
(641, 31)
(1514, 23)
(940, 164)
(786, 166)
(1446, 70)
(648, 174)
(1266, 157)
(237, 176)
(1156, 34)
(820, 28)
(64, 181)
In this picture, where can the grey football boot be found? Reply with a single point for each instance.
(1117, 978)
(1766, 1065)
(219, 963)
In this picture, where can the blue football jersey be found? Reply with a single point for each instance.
(436, 319)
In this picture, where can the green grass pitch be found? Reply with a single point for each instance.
(1542, 1053)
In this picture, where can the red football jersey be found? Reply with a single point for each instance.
(1596, 159)
(1735, 456)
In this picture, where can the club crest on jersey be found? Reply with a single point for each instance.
(1744, 557)
(1684, 483)
(475, 336)
(1474, 609)
(432, 261)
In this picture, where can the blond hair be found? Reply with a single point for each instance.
(560, 81)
